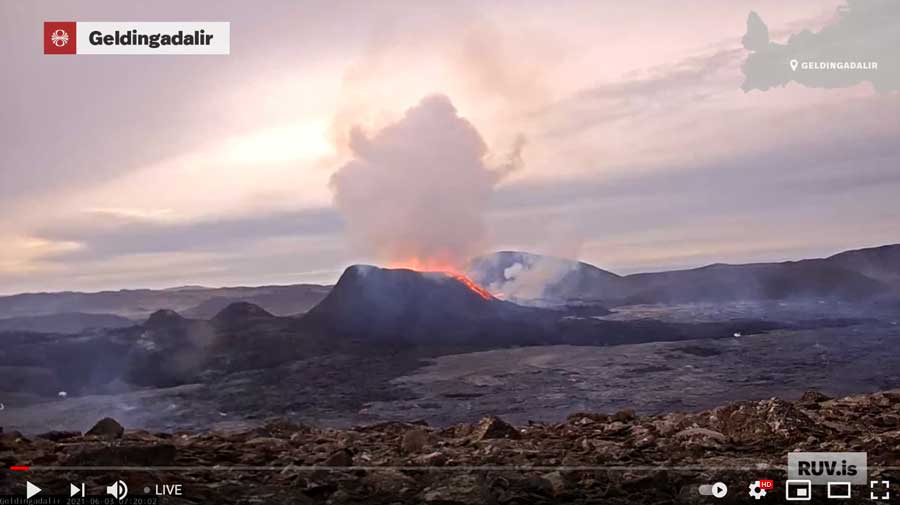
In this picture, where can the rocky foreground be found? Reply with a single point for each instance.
(590, 458)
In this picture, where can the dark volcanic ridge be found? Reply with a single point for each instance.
(407, 307)
(854, 276)
(616, 458)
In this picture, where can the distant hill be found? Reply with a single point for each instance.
(241, 311)
(522, 276)
(138, 304)
(64, 323)
(852, 276)
(881, 263)
(280, 301)
(762, 281)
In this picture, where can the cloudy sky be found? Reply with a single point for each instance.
(641, 151)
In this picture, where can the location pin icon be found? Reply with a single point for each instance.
(794, 65)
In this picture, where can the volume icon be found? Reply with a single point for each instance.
(118, 490)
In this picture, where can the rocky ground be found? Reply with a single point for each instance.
(547, 383)
(590, 458)
(521, 384)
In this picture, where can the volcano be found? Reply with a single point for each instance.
(416, 307)
(403, 307)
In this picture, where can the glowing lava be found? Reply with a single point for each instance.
(446, 269)
(469, 283)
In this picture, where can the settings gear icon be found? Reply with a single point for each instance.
(756, 490)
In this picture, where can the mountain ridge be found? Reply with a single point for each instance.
(138, 304)
(851, 275)
(64, 322)
(856, 274)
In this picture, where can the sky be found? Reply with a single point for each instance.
(635, 146)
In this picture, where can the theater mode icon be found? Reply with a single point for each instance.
(840, 490)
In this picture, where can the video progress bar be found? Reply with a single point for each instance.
(449, 468)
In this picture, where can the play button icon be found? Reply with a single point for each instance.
(31, 490)
(719, 490)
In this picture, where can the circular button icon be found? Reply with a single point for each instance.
(719, 490)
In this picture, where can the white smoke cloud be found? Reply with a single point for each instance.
(418, 189)
(527, 280)
(531, 276)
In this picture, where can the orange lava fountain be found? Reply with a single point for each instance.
(446, 269)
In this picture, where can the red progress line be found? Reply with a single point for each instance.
(19, 468)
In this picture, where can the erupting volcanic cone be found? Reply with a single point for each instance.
(407, 305)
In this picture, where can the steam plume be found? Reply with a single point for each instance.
(416, 192)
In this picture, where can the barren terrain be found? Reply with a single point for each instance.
(587, 458)
(543, 383)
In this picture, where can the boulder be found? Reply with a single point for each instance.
(436, 458)
(413, 441)
(771, 421)
(626, 415)
(341, 457)
(701, 437)
(585, 418)
(125, 455)
(557, 482)
(390, 482)
(107, 428)
(493, 428)
(461, 489)
(814, 397)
